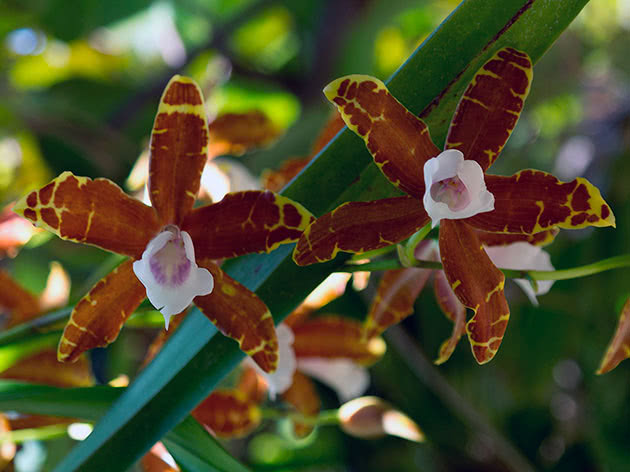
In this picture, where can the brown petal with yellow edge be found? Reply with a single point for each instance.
(252, 384)
(532, 201)
(543, 238)
(394, 299)
(398, 140)
(179, 150)
(619, 347)
(245, 222)
(453, 310)
(239, 314)
(228, 414)
(490, 107)
(236, 133)
(479, 286)
(19, 304)
(98, 317)
(90, 211)
(302, 395)
(359, 227)
(44, 368)
(333, 337)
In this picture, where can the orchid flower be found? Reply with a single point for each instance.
(526, 203)
(171, 245)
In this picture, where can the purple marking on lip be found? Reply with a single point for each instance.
(170, 266)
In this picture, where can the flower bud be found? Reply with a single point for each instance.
(371, 417)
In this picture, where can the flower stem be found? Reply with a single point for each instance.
(322, 418)
(616, 262)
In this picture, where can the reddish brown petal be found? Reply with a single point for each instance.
(454, 311)
(501, 239)
(245, 222)
(19, 304)
(359, 227)
(275, 180)
(98, 317)
(394, 299)
(228, 413)
(90, 211)
(38, 421)
(490, 107)
(619, 347)
(531, 201)
(252, 384)
(336, 337)
(329, 131)
(236, 133)
(478, 284)
(44, 368)
(238, 313)
(302, 394)
(179, 150)
(398, 140)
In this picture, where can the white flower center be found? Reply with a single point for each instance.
(455, 188)
(170, 274)
(451, 191)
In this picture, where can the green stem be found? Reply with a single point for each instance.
(616, 262)
(373, 254)
(416, 239)
(322, 418)
(45, 432)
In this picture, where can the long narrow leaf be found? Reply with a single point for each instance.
(195, 360)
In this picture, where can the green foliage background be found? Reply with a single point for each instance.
(83, 97)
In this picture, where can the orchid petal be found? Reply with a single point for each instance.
(179, 150)
(228, 414)
(20, 304)
(236, 133)
(98, 317)
(490, 107)
(302, 395)
(170, 274)
(44, 368)
(395, 298)
(280, 380)
(245, 222)
(398, 140)
(532, 201)
(344, 376)
(333, 336)
(238, 313)
(619, 347)
(479, 286)
(453, 310)
(523, 256)
(359, 227)
(541, 239)
(455, 188)
(90, 211)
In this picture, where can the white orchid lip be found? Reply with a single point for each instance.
(523, 256)
(455, 188)
(170, 274)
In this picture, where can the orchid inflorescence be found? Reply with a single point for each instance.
(175, 250)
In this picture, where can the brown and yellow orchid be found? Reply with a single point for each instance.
(452, 189)
(171, 245)
(619, 347)
(399, 288)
